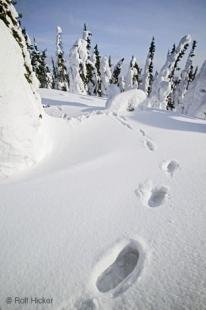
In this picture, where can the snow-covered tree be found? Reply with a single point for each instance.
(76, 69)
(97, 59)
(147, 79)
(132, 77)
(110, 61)
(54, 74)
(116, 72)
(186, 77)
(28, 40)
(61, 69)
(194, 101)
(106, 75)
(11, 18)
(80, 66)
(43, 73)
(175, 78)
(162, 85)
(35, 56)
(92, 76)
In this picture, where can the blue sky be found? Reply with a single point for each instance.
(120, 28)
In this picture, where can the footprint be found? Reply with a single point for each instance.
(86, 304)
(121, 268)
(170, 166)
(142, 132)
(158, 196)
(151, 196)
(150, 145)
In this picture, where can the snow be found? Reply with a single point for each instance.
(128, 100)
(114, 217)
(24, 138)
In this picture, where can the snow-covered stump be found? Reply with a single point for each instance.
(23, 125)
(126, 101)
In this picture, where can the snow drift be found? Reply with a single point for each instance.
(23, 132)
(125, 101)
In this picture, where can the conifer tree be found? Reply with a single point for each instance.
(61, 70)
(11, 18)
(81, 66)
(43, 73)
(110, 61)
(148, 71)
(77, 67)
(106, 74)
(132, 78)
(54, 74)
(98, 73)
(174, 79)
(186, 77)
(116, 72)
(163, 84)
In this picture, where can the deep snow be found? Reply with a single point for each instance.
(113, 217)
(24, 133)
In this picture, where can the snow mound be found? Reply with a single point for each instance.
(23, 132)
(126, 101)
(195, 99)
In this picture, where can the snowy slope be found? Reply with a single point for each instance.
(113, 218)
(24, 138)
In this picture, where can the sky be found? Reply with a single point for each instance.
(121, 28)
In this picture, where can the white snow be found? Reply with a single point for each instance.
(129, 99)
(24, 137)
(100, 224)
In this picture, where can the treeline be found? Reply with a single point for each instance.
(86, 71)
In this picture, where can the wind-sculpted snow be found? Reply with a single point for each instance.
(84, 228)
(23, 123)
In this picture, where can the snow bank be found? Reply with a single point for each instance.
(127, 100)
(23, 124)
(195, 99)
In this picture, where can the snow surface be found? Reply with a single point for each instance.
(24, 137)
(101, 223)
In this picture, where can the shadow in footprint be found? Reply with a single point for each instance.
(170, 166)
(151, 196)
(123, 271)
(157, 196)
(86, 304)
(150, 145)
